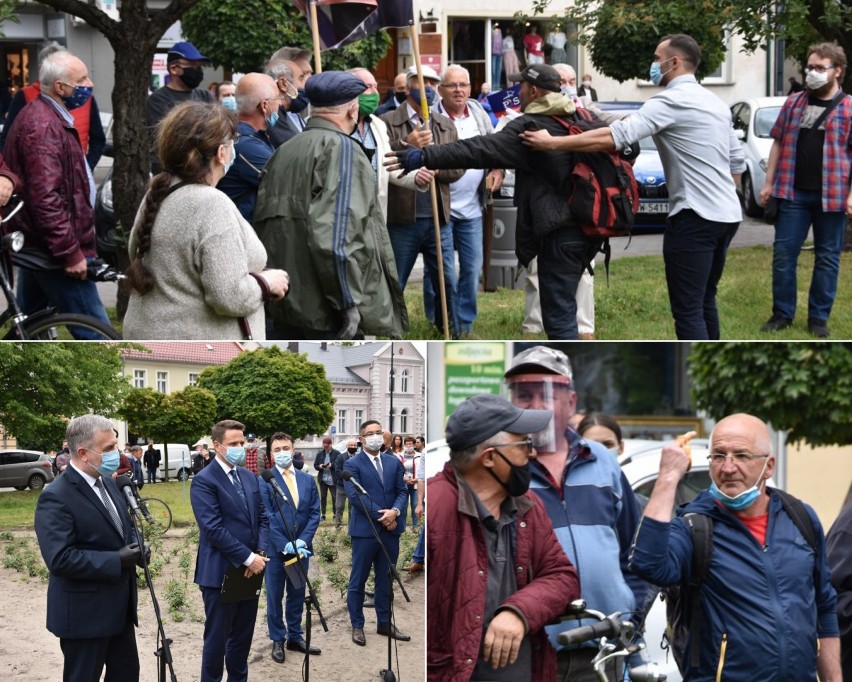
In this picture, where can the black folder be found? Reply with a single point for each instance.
(236, 587)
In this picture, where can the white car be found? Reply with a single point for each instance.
(753, 120)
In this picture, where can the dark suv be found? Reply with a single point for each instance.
(20, 469)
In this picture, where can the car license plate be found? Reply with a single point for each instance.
(654, 207)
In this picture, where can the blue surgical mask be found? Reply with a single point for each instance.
(109, 463)
(284, 459)
(742, 501)
(82, 94)
(236, 455)
(233, 158)
(569, 91)
(300, 102)
(431, 95)
(656, 73)
(272, 119)
(230, 103)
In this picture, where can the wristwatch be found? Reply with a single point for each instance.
(398, 513)
(260, 552)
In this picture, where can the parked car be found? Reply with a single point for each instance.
(753, 120)
(105, 222)
(22, 469)
(180, 461)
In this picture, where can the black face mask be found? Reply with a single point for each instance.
(351, 451)
(399, 96)
(192, 77)
(301, 102)
(519, 477)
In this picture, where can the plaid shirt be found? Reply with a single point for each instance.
(251, 460)
(837, 151)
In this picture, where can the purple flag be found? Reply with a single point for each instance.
(344, 21)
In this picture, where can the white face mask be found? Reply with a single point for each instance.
(374, 443)
(233, 157)
(815, 80)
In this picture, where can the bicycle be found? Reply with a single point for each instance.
(47, 325)
(156, 514)
(615, 641)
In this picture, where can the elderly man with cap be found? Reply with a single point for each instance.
(318, 211)
(184, 63)
(411, 224)
(587, 497)
(542, 183)
(497, 574)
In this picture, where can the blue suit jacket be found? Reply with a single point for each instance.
(227, 532)
(303, 522)
(387, 494)
(89, 594)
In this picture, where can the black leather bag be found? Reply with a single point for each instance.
(770, 211)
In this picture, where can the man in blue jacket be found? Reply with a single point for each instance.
(768, 610)
(302, 515)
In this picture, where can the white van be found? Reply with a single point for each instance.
(180, 461)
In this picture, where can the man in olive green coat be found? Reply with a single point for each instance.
(319, 218)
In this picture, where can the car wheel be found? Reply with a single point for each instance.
(183, 474)
(36, 482)
(750, 205)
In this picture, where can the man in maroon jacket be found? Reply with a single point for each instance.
(43, 149)
(497, 572)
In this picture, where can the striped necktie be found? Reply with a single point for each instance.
(239, 486)
(113, 514)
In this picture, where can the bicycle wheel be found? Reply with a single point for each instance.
(67, 326)
(155, 513)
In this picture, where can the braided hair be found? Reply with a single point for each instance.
(188, 138)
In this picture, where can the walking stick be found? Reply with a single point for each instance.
(424, 114)
(315, 34)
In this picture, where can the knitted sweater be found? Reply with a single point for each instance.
(201, 254)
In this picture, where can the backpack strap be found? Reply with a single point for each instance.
(795, 509)
(701, 529)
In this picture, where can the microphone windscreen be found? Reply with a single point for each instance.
(123, 482)
(347, 475)
(267, 475)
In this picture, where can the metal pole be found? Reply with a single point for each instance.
(390, 424)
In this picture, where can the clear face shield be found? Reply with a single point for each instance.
(540, 392)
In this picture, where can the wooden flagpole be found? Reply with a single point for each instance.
(315, 34)
(424, 115)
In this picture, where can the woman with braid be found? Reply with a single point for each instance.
(197, 268)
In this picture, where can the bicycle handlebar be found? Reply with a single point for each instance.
(609, 627)
(99, 270)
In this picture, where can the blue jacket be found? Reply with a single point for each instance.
(762, 613)
(303, 522)
(252, 149)
(384, 494)
(594, 515)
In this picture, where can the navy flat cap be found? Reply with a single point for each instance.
(330, 88)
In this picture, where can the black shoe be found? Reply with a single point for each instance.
(392, 632)
(776, 323)
(278, 652)
(358, 636)
(370, 604)
(818, 328)
(369, 593)
(301, 645)
(322, 518)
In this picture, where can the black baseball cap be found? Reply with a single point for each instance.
(541, 75)
(480, 417)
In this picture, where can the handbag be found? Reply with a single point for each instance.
(770, 211)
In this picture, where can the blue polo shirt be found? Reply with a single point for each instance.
(253, 149)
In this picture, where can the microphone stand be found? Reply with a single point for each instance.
(164, 652)
(310, 595)
(387, 674)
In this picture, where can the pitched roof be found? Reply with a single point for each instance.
(191, 352)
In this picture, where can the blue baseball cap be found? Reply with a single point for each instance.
(186, 50)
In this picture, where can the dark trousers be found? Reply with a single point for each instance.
(340, 503)
(228, 631)
(152, 474)
(325, 489)
(563, 255)
(85, 658)
(694, 251)
(367, 554)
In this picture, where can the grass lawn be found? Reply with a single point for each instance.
(635, 305)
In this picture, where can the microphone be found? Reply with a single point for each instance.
(129, 488)
(347, 476)
(269, 477)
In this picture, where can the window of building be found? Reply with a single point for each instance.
(162, 382)
(140, 378)
(403, 379)
(341, 421)
(193, 378)
(403, 421)
(359, 418)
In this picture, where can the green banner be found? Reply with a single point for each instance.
(471, 369)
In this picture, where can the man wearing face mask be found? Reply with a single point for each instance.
(299, 61)
(90, 549)
(380, 474)
(485, 618)
(809, 167)
(768, 609)
(184, 63)
(339, 484)
(43, 150)
(318, 211)
(586, 496)
(226, 95)
(233, 532)
(397, 95)
(302, 516)
(281, 71)
(701, 157)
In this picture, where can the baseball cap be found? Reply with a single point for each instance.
(541, 360)
(186, 50)
(541, 75)
(480, 417)
(429, 74)
(330, 88)
(251, 436)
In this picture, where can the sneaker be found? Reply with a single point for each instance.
(776, 323)
(818, 328)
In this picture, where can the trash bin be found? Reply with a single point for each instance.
(503, 267)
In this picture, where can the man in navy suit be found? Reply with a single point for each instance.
(90, 549)
(233, 531)
(381, 476)
(302, 513)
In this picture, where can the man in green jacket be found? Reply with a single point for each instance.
(318, 212)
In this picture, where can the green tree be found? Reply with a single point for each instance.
(270, 390)
(804, 389)
(42, 385)
(7, 13)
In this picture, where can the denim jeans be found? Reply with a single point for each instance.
(419, 556)
(40, 289)
(561, 260)
(419, 237)
(496, 70)
(467, 239)
(794, 220)
(694, 251)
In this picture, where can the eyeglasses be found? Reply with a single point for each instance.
(526, 442)
(455, 86)
(739, 458)
(819, 68)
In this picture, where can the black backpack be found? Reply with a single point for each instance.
(683, 610)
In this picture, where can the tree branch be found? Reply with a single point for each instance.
(160, 21)
(93, 16)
